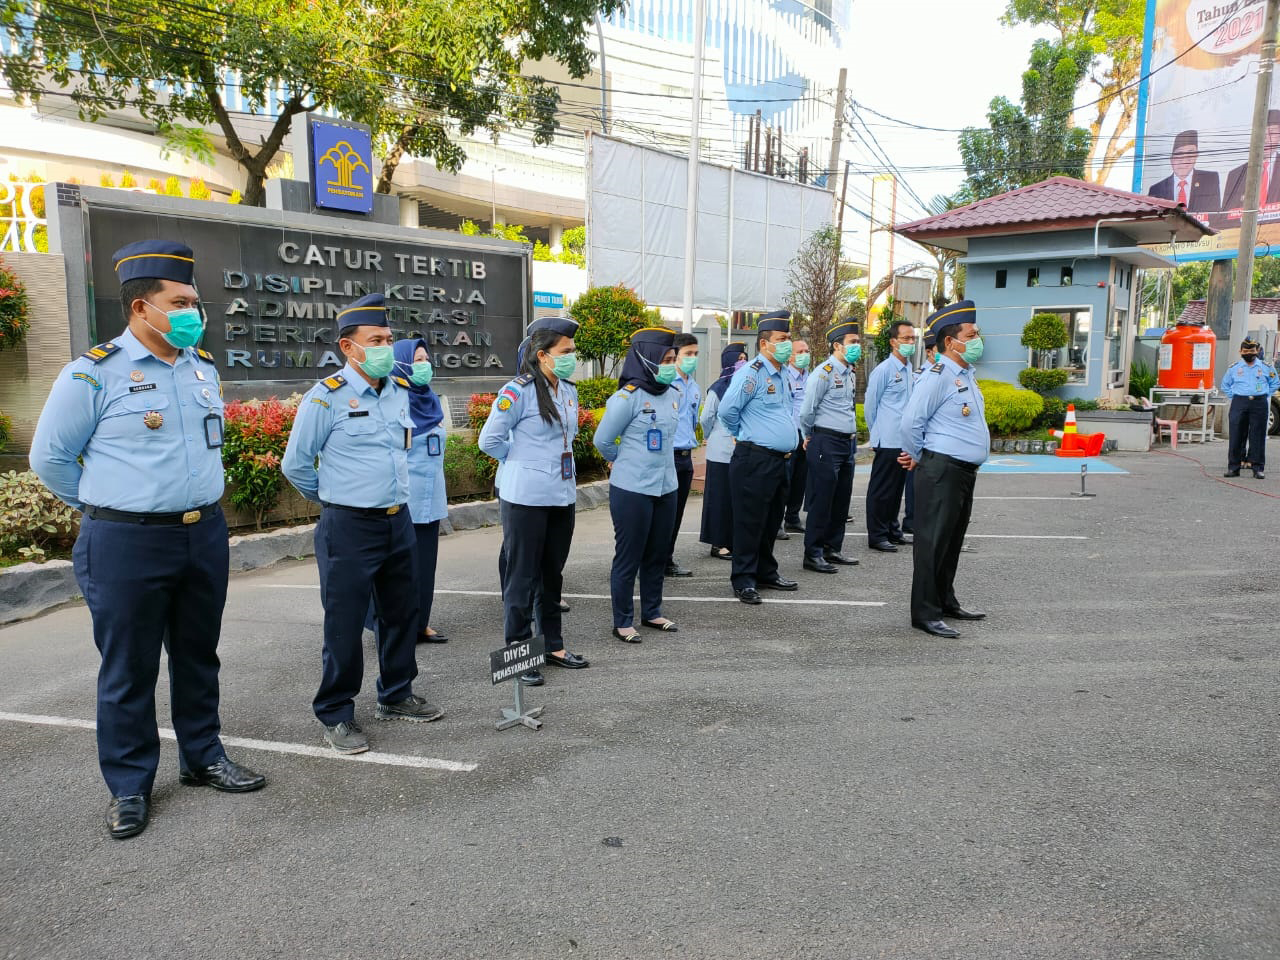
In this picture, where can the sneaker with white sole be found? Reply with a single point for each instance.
(346, 737)
(412, 708)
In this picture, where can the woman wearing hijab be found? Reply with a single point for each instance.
(635, 435)
(427, 502)
(717, 505)
(530, 432)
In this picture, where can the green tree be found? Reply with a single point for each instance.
(420, 72)
(1112, 31)
(1191, 282)
(607, 317)
(1027, 143)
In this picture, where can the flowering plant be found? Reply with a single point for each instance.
(255, 436)
(13, 308)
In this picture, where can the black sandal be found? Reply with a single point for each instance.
(726, 555)
(626, 637)
(666, 627)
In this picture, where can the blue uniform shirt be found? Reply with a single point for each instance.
(936, 417)
(360, 436)
(139, 424)
(687, 425)
(643, 461)
(427, 499)
(757, 406)
(798, 379)
(888, 389)
(719, 443)
(528, 449)
(830, 400)
(1250, 380)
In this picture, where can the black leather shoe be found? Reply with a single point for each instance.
(901, 540)
(727, 555)
(778, 584)
(666, 626)
(960, 613)
(818, 565)
(1259, 475)
(432, 638)
(532, 678)
(675, 570)
(127, 816)
(225, 775)
(1232, 473)
(793, 527)
(884, 546)
(564, 607)
(570, 661)
(782, 535)
(936, 627)
(907, 531)
(626, 637)
(839, 558)
(748, 595)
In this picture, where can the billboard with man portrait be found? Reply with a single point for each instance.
(1195, 109)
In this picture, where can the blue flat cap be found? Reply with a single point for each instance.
(155, 259)
(778, 320)
(841, 330)
(565, 326)
(368, 311)
(961, 312)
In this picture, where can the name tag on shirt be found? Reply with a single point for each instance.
(566, 466)
(213, 431)
(358, 413)
(140, 387)
(653, 440)
(433, 445)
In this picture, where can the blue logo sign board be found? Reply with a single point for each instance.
(341, 165)
(553, 301)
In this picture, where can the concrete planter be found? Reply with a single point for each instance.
(1130, 429)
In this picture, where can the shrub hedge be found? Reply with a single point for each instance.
(1010, 409)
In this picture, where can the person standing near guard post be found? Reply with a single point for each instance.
(888, 389)
(686, 438)
(944, 441)
(756, 410)
(131, 435)
(1249, 383)
(829, 424)
(348, 451)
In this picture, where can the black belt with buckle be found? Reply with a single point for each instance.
(366, 511)
(833, 433)
(965, 464)
(185, 518)
(780, 454)
(684, 452)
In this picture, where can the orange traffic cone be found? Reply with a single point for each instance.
(1070, 425)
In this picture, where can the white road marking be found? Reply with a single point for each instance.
(272, 746)
(1020, 536)
(605, 596)
(1076, 499)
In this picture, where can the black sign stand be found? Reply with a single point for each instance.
(507, 664)
(1084, 472)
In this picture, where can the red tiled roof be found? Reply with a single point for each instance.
(1058, 201)
(1194, 311)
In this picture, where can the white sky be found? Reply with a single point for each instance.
(931, 62)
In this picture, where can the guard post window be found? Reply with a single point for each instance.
(1074, 357)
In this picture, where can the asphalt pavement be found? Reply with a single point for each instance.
(1090, 773)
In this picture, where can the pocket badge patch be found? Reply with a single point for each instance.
(153, 419)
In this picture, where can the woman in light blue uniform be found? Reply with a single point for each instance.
(635, 435)
(530, 432)
(717, 505)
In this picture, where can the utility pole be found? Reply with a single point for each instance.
(1253, 178)
(837, 133)
(844, 190)
(691, 196)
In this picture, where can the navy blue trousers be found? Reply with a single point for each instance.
(641, 534)
(362, 556)
(758, 488)
(717, 506)
(535, 541)
(797, 484)
(909, 511)
(946, 500)
(684, 481)
(148, 587)
(427, 544)
(1247, 423)
(830, 487)
(884, 495)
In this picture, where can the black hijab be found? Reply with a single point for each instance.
(728, 367)
(648, 346)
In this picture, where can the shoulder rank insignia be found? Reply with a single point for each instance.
(401, 382)
(334, 382)
(828, 367)
(757, 364)
(937, 367)
(204, 355)
(100, 352)
(524, 379)
(630, 388)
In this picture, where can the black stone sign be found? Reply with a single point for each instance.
(513, 660)
(271, 293)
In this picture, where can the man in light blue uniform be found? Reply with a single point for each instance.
(888, 388)
(131, 435)
(686, 438)
(944, 440)
(797, 371)
(757, 412)
(829, 424)
(356, 424)
(1249, 383)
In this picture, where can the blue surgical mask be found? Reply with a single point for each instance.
(422, 373)
(377, 362)
(973, 350)
(801, 361)
(782, 351)
(853, 353)
(565, 365)
(665, 374)
(907, 350)
(186, 326)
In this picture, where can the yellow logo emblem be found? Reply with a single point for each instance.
(346, 161)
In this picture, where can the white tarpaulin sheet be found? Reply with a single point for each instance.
(749, 228)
